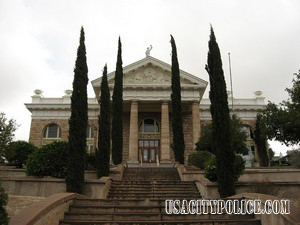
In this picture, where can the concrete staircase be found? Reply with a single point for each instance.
(139, 198)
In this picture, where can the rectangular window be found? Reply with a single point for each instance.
(141, 143)
(151, 143)
(152, 154)
(145, 155)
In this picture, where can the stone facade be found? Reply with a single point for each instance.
(147, 113)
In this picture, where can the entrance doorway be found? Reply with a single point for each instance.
(149, 150)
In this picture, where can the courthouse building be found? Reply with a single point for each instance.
(147, 113)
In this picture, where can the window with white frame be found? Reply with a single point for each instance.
(52, 131)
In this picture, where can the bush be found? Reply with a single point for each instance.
(49, 160)
(18, 151)
(199, 158)
(211, 165)
(3, 202)
(210, 169)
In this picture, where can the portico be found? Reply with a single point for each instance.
(146, 95)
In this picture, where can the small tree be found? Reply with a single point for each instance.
(238, 137)
(78, 122)
(178, 138)
(104, 129)
(7, 129)
(117, 110)
(18, 151)
(283, 120)
(3, 202)
(221, 132)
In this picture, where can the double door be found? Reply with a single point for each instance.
(149, 151)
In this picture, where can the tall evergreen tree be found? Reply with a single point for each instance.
(178, 138)
(260, 139)
(103, 151)
(221, 132)
(117, 110)
(78, 122)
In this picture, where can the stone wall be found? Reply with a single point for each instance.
(44, 187)
(38, 126)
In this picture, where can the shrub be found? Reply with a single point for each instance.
(18, 151)
(49, 160)
(210, 168)
(3, 202)
(199, 158)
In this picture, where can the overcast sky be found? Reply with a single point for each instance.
(39, 40)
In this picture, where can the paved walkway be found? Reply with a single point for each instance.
(17, 203)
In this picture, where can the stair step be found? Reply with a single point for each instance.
(138, 215)
(178, 222)
(139, 198)
(115, 209)
(111, 202)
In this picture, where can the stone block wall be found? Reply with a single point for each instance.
(39, 125)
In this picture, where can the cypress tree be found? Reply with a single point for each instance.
(178, 138)
(103, 151)
(117, 110)
(78, 122)
(260, 139)
(221, 134)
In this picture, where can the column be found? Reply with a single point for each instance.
(133, 132)
(165, 133)
(196, 121)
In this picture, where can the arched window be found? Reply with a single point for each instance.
(89, 132)
(52, 131)
(248, 132)
(149, 126)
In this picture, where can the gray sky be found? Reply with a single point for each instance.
(39, 40)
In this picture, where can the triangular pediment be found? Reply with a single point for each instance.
(150, 71)
(148, 74)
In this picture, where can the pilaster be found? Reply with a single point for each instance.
(196, 121)
(165, 132)
(133, 132)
